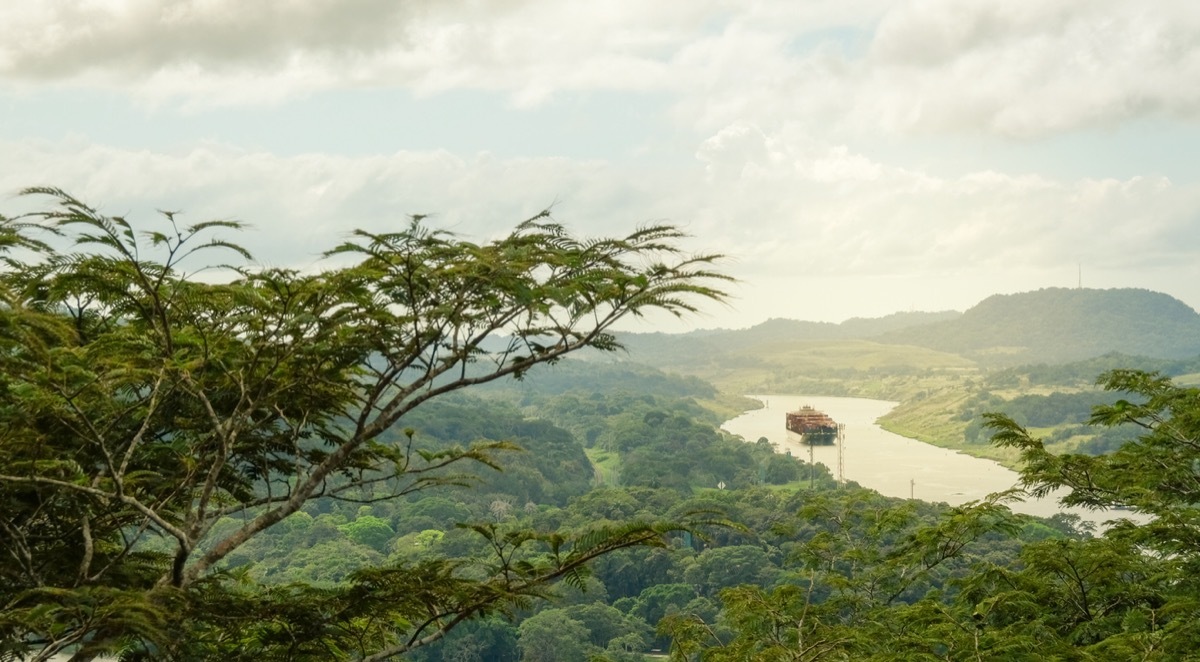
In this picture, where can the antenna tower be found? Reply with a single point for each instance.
(812, 468)
(841, 446)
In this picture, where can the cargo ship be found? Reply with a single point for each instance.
(814, 427)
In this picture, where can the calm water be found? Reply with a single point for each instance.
(889, 463)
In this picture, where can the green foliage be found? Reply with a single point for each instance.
(551, 636)
(1152, 474)
(781, 469)
(370, 531)
(670, 445)
(606, 624)
(1066, 414)
(657, 601)
(1082, 374)
(547, 465)
(602, 375)
(626, 574)
(1136, 590)
(721, 567)
(1043, 411)
(142, 407)
(166, 439)
(873, 581)
(854, 562)
(492, 639)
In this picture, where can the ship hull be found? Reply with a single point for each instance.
(815, 428)
(819, 438)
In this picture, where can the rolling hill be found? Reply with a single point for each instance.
(1059, 325)
(1050, 326)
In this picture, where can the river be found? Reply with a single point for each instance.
(888, 463)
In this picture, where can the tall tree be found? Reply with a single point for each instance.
(859, 561)
(138, 401)
(1135, 594)
(551, 635)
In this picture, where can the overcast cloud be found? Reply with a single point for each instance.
(853, 158)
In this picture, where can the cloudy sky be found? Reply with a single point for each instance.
(853, 158)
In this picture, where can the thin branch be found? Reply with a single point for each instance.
(123, 498)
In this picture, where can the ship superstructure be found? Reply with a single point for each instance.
(814, 427)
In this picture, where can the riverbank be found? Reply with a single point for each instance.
(889, 463)
(1005, 457)
(930, 419)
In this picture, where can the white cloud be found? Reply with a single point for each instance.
(784, 207)
(301, 205)
(1012, 67)
(778, 103)
(1027, 68)
(795, 205)
(1021, 68)
(219, 52)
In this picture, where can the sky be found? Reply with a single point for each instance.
(851, 158)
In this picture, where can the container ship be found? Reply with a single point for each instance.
(814, 427)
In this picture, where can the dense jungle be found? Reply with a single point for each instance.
(445, 451)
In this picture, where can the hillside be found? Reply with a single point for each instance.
(778, 329)
(1052, 325)
(721, 349)
(1058, 325)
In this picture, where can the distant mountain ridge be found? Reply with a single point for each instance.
(1059, 325)
(776, 330)
(1052, 325)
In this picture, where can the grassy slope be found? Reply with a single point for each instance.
(934, 419)
(728, 405)
(830, 367)
(607, 465)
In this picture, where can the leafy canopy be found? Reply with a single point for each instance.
(139, 402)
